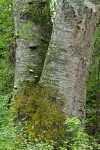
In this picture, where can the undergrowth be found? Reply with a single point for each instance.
(21, 133)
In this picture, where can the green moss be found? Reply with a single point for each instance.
(39, 116)
(24, 30)
(51, 55)
(39, 12)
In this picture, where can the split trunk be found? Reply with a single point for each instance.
(69, 55)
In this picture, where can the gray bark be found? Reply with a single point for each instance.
(32, 35)
(69, 55)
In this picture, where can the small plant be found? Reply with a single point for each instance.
(39, 116)
(77, 138)
(16, 137)
(6, 41)
(7, 129)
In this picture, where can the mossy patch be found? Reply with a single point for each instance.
(39, 116)
(51, 55)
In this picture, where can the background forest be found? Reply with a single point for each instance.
(66, 133)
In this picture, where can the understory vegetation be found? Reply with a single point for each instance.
(21, 135)
(93, 92)
(34, 122)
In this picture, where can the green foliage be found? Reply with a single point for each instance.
(77, 138)
(6, 24)
(36, 10)
(93, 90)
(39, 122)
(20, 136)
(7, 130)
(6, 74)
(6, 40)
(42, 117)
(8, 138)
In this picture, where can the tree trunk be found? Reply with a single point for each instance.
(32, 34)
(70, 53)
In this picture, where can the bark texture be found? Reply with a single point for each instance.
(70, 49)
(32, 33)
(70, 53)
